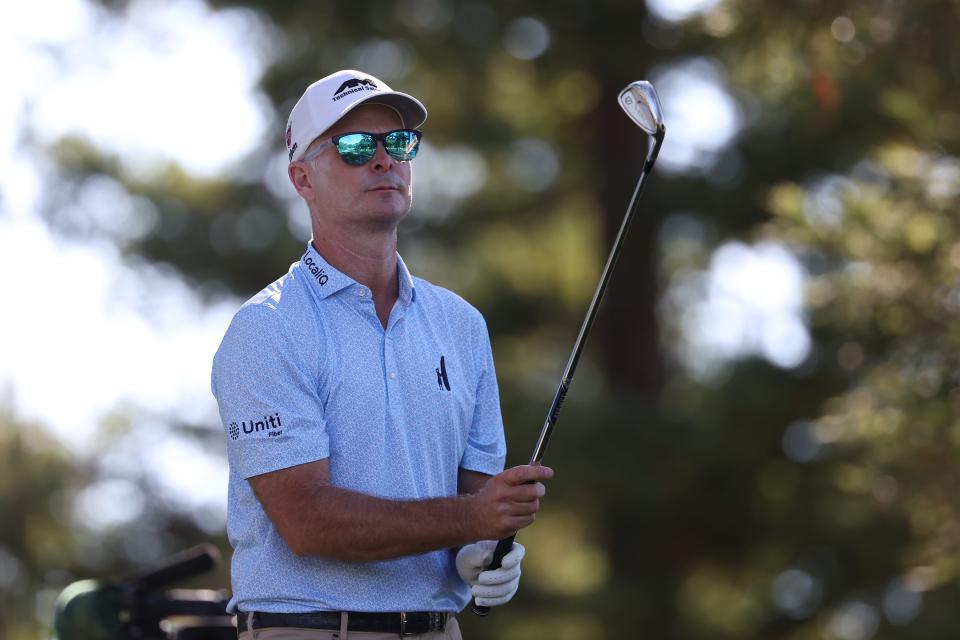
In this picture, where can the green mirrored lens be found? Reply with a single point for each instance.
(402, 144)
(357, 148)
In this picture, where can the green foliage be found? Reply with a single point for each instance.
(890, 299)
(35, 545)
(677, 511)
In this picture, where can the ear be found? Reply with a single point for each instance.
(300, 179)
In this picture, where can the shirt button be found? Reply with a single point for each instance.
(393, 375)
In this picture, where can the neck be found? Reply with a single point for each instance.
(369, 257)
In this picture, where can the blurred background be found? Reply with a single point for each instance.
(762, 441)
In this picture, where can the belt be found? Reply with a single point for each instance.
(409, 623)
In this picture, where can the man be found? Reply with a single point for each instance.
(363, 424)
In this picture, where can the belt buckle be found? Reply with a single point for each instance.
(436, 622)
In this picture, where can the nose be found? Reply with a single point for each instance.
(381, 161)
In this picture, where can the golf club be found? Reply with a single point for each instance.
(639, 100)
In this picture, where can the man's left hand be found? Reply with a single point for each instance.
(495, 587)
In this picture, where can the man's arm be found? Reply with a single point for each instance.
(316, 518)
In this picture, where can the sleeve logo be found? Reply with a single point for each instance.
(271, 424)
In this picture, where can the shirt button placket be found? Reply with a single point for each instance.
(390, 368)
(365, 306)
(389, 361)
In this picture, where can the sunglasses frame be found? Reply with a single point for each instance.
(334, 142)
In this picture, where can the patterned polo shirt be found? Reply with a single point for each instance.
(306, 371)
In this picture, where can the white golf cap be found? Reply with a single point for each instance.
(329, 99)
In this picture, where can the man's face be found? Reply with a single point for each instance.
(375, 195)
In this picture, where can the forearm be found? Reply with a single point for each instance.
(315, 517)
(356, 527)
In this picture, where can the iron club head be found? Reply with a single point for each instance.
(639, 99)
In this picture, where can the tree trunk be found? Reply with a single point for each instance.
(627, 325)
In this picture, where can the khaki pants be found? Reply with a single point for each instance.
(452, 632)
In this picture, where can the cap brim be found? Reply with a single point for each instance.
(411, 110)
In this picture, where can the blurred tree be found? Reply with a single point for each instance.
(814, 503)
(66, 519)
(35, 544)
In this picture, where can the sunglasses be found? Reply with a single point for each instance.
(357, 147)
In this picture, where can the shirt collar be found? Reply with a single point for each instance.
(408, 292)
(327, 280)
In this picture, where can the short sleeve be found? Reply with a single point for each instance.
(268, 395)
(486, 448)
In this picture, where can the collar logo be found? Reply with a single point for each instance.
(315, 270)
(353, 85)
(442, 381)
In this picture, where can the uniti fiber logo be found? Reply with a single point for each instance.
(270, 424)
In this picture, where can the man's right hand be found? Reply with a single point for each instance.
(509, 501)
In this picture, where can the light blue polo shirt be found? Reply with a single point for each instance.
(305, 372)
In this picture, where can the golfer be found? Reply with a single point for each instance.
(360, 403)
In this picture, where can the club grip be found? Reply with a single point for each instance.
(503, 548)
(184, 565)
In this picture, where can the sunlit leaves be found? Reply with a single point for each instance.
(891, 246)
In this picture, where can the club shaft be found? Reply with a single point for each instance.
(552, 415)
(504, 545)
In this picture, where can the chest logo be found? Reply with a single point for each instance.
(442, 381)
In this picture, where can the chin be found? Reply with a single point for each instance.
(387, 218)
(396, 208)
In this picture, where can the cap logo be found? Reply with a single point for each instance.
(354, 85)
(291, 149)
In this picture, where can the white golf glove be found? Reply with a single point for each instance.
(495, 587)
